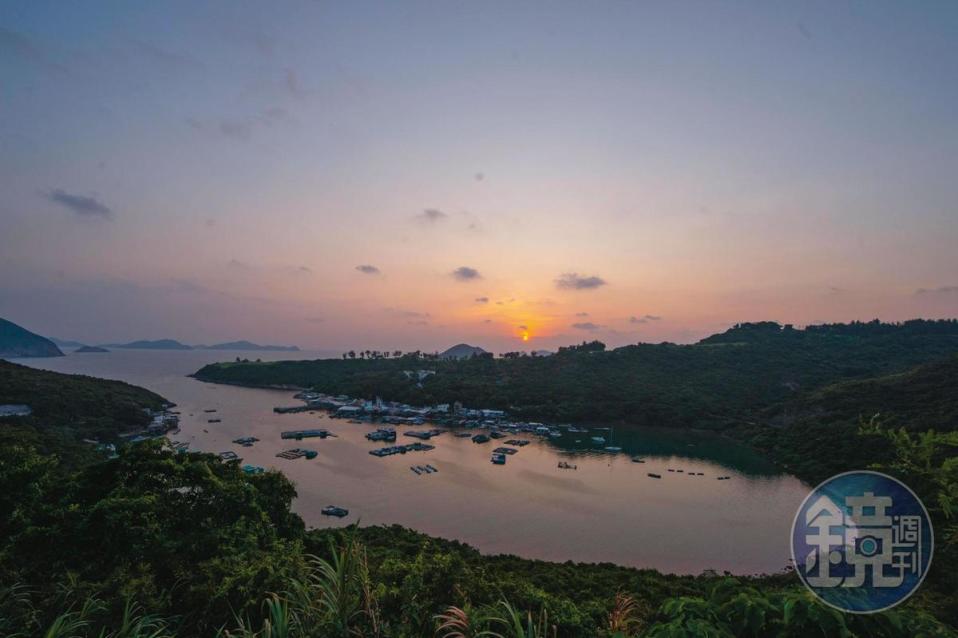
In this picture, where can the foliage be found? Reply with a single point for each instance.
(723, 380)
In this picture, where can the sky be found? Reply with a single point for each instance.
(516, 176)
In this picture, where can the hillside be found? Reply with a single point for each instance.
(73, 406)
(461, 351)
(724, 380)
(16, 341)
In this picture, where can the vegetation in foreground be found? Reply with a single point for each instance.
(156, 543)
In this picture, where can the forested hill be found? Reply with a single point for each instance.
(724, 379)
(70, 406)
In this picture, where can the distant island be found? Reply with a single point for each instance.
(247, 345)
(89, 349)
(173, 344)
(158, 344)
(66, 343)
(462, 351)
(16, 341)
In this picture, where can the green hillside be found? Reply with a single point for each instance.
(722, 380)
(72, 407)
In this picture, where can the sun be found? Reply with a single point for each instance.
(525, 336)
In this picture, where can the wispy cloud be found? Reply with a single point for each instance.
(586, 325)
(368, 269)
(575, 281)
(644, 319)
(465, 273)
(293, 85)
(482, 299)
(82, 205)
(941, 290)
(241, 129)
(431, 216)
(581, 314)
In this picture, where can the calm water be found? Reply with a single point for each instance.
(606, 510)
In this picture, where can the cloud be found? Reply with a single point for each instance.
(487, 321)
(644, 319)
(17, 45)
(482, 299)
(241, 129)
(431, 216)
(941, 290)
(408, 313)
(465, 273)
(523, 327)
(304, 269)
(586, 325)
(80, 204)
(581, 314)
(368, 269)
(293, 85)
(574, 281)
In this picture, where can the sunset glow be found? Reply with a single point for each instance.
(326, 177)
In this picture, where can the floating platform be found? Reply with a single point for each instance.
(305, 434)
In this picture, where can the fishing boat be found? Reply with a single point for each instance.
(567, 466)
(499, 459)
(653, 475)
(415, 469)
(332, 510)
(431, 468)
(636, 459)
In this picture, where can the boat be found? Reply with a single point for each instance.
(653, 475)
(567, 466)
(480, 438)
(214, 420)
(253, 469)
(613, 448)
(332, 510)
(431, 468)
(229, 456)
(636, 459)
(415, 469)
(499, 459)
(598, 439)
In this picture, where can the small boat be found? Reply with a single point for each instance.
(598, 440)
(253, 469)
(636, 459)
(480, 438)
(214, 420)
(567, 466)
(653, 475)
(431, 468)
(499, 459)
(613, 448)
(210, 410)
(332, 510)
(415, 469)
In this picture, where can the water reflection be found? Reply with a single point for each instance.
(607, 509)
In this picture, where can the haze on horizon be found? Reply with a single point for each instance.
(413, 175)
